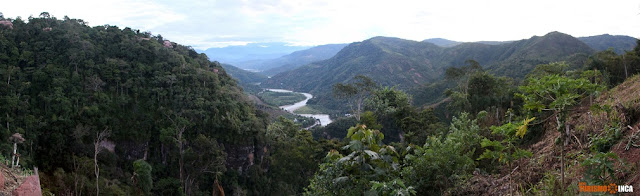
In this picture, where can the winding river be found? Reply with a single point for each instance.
(324, 118)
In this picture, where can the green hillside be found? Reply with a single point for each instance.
(410, 64)
(619, 43)
(154, 116)
(248, 80)
(300, 58)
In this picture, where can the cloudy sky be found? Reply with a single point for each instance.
(218, 23)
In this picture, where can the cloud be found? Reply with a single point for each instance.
(218, 23)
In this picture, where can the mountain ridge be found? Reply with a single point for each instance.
(407, 64)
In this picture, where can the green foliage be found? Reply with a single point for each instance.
(443, 163)
(370, 120)
(142, 172)
(600, 168)
(478, 91)
(368, 161)
(395, 187)
(390, 106)
(401, 63)
(280, 98)
(355, 92)
(506, 151)
(619, 43)
(555, 92)
(163, 102)
(418, 126)
(282, 130)
(336, 129)
(294, 161)
(616, 67)
(604, 141)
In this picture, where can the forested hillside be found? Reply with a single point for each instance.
(619, 43)
(121, 112)
(248, 80)
(410, 64)
(114, 111)
(300, 58)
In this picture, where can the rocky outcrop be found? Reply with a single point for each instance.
(6, 23)
(2, 181)
(30, 187)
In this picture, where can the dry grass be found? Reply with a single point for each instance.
(622, 105)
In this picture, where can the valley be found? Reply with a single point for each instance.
(293, 108)
(361, 108)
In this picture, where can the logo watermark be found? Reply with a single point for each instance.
(611, 188)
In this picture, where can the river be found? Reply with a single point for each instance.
(324, 118)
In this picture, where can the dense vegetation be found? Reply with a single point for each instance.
(415, 66)
(249, 81)
(155, 116)
(280, 98)
(110, 111)
(494, 126)
(619, 43)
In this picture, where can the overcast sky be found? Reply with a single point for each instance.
(204, 24)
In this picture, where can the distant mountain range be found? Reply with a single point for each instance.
(300, 58)
(249, 56)
(408, 64)
(619, 43)
(411, 65)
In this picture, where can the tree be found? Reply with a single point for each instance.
(142, 174)
(445, 161)
(555, 93)
(204, 156)
(100, 138)
(355, 92)
(175, 135)
(368, 163)
(16, 138)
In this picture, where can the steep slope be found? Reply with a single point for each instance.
(619, 43)
(243, 76)
(299, 58)
(65, 83)
(391, 61)
(524, 55)
(409, 64)
(609, 129)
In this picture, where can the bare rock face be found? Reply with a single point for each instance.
(30, 187)
(7, 24)
(167, 44)
(2, 181)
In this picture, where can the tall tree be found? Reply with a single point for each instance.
(355, 92)
(101, 137)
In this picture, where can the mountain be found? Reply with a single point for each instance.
(248, 80)
(619, 43)
(70, 91)
(251, 55)
(409, 64)
(450, 43)
(442, 42)
(244, 76)
(299, 58)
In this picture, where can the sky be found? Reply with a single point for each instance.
(220, 23)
